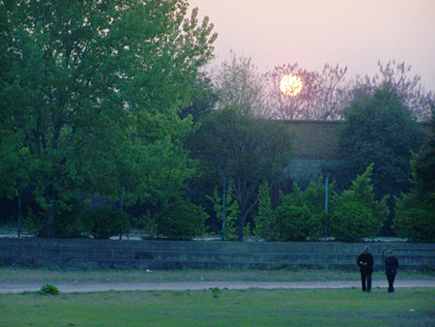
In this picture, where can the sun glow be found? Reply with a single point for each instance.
(291, 85)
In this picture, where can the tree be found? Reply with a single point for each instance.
(322, 97)
(379, 130)
(90, 93)
(424, 165)
(355, 213)
(395, 75)
(237, 83)
(243, 150)
(415, 211)
(265, 221)
(203, 102)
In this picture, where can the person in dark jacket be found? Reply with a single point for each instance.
(391, 265)
(365, 263)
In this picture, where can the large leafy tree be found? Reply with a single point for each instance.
(425, 161)
(415, 211)
(90, 92)
(380, 130)
(244, 150)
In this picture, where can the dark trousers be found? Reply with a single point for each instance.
(366, 277)
(391, 283)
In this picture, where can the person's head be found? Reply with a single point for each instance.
(366, 249)
(389, 252)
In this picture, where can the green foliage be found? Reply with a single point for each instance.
(302, 212)
(232, 212)
(181, 220)
(49, 289)
(106, 222)
(379, 129)
(292, 222)
(352, 221)
(355, 213)
(215, 292)
(265, 222)
(424, 162)
(246, 150)
(415, 211)
(150, 225)
(415, 219)
(90, 95)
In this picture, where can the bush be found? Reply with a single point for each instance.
(265, 220)
(415, 212)
(293, 222)
(232, 213)
(353, 221)
(301, 214)
(415, 219)
(355, 214)
(106, 222)
(181, 220)
(48, 290)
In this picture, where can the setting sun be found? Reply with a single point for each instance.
(291, 85)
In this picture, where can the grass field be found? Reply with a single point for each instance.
(214, 307)
(405, 307)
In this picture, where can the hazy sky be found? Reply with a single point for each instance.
(352, 33)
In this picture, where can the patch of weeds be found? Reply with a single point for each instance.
(216, 292)
(281, 266)
(48, 289)
(428, 270)
(294, 269)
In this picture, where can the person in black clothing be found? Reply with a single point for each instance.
(391, 265)
(365, 263)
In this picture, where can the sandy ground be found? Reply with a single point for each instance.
(69, 287)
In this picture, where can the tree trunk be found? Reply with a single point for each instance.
(48, 229)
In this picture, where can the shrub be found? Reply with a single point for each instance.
(106, 222)
(293, 223)
(415, 218)
(265, 221)
(353, 221)
(48, 290)
(181, 220)
(355, 214)
(415, 212)
(232, 212)
(301, 214)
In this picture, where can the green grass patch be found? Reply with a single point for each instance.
(213, 307)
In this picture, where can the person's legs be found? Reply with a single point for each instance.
(369, 282)
(390, 283)
(363, 281)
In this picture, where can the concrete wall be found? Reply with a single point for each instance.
(203, 254)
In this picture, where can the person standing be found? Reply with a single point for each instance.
(391, 265)
(365, 263)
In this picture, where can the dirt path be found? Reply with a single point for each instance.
(70, 287)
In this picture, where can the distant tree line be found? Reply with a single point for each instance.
(108, 122)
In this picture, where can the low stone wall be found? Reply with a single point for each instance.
(203, 254)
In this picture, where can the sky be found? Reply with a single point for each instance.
(352, 33)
